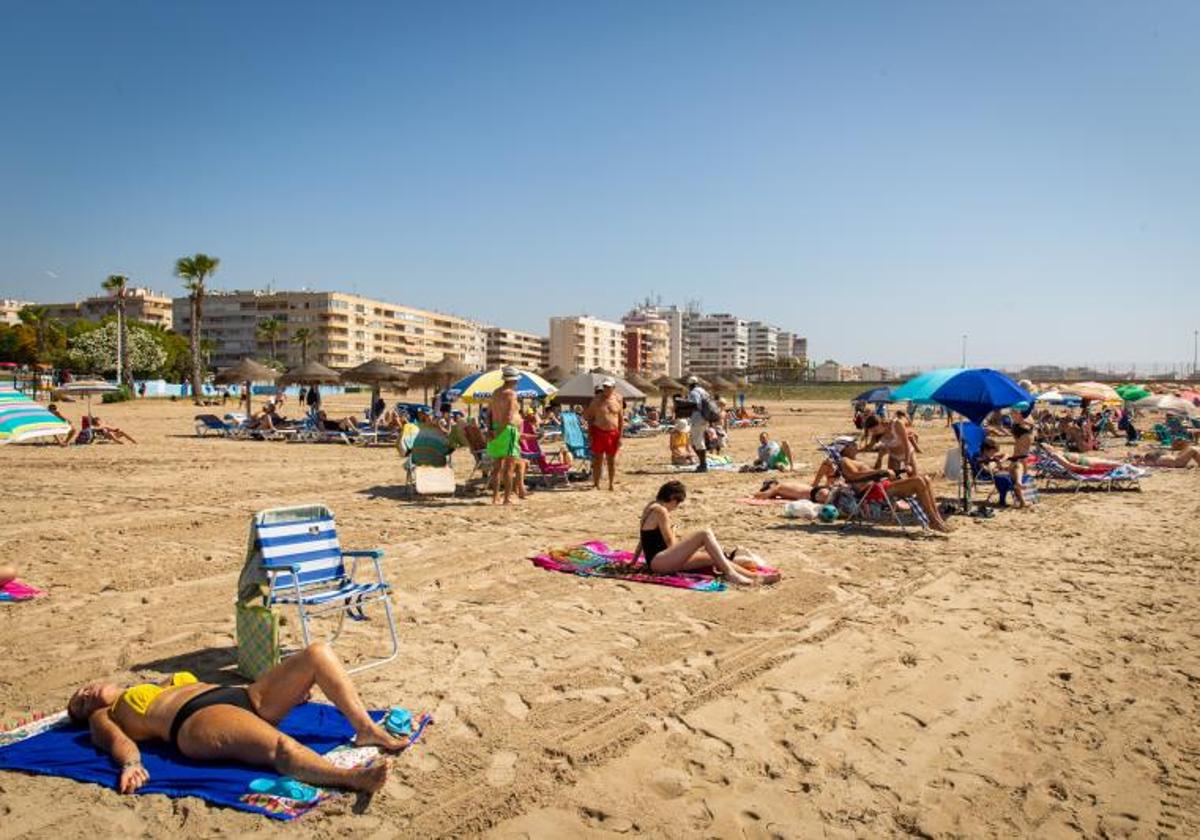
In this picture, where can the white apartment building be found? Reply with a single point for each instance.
(581, 343)
(783, 344)
(344, 329)
(764, 343)
(717, 343)
(511, 347)
(873, 373)
(10, 308)
(650, 317)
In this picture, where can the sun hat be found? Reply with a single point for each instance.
(691, 380)
(682, 425)
(509, 373)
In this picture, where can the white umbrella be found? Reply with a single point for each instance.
(86, 388)
(1168, 403)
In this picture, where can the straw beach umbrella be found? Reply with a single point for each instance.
(374, 373)
(555, 374)
(246, 371)
(642, 383)
(310, 373)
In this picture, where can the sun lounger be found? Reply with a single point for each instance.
(1051, 472)
(211, 424)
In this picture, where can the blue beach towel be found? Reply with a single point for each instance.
(67, 750)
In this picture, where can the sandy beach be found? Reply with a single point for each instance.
(1037, 673)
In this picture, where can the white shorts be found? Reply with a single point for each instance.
(699, 427)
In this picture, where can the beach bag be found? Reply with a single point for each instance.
(709, 410)
(801, 509)
(257, 640)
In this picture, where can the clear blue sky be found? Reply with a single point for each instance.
(880, 177)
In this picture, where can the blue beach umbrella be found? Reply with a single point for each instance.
(972, 392)
(880, 394)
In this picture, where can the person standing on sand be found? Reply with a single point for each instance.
(505, 446)
(697, 396)
(604, 416)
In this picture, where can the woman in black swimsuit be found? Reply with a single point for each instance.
(665, 554)
(1022, 432)
(209, 723)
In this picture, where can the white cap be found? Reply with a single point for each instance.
(608, 383)
(691, 380)
(510, 373)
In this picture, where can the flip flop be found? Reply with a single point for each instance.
(286, 788)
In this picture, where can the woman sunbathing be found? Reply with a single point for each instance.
(1181, 454)
(1079, 463)
(665, 554)
(213, 723)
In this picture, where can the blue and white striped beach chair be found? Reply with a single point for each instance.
(294, 554)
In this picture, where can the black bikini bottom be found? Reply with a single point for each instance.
(219, 696)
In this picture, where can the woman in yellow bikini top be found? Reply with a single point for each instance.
(211, 722)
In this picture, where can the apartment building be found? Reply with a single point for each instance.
(10, 310)
(831, 371)
(345, 330)
(717, 343)
(872, 373)
(667, 352)
(511, 347)
(581, 343)
(764, 343)
(141, 304)
(647, 347)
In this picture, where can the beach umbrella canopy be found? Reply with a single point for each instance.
(554, 373)
(972, 392)
(1192, 396)
(641, 383)
(880, 394)
(582, 387)
(1168, 403)
(375, 372)
(310, 373)
(247, 370)
(722, 385)
(479, 387)
(1054, 397)
(22, 419)
(88, 388)
(1131, 393)
(1093, 391)
(667, 385)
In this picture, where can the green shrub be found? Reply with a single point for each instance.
(120, 395)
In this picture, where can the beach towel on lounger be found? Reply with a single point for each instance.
(595, 559)
(53, 746)
(14, 590)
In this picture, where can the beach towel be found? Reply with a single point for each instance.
(53, 746)
(16, 591)
(595, 559)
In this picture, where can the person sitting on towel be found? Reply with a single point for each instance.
(665, 554)
(208, 722)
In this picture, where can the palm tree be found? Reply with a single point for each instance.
(269, 330)
(117, 285)
(194, 271)
(38, 317)
(304, 336)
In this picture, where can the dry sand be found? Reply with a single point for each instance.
(1034, 674)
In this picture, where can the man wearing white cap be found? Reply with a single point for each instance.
(604, 416)
(505, 446)
(697, 396)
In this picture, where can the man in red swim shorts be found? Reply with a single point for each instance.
(604, 415)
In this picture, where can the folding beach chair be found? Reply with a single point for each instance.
(576, 441)
(427, 464)
(874, 502)
(972, 436)
(541, 468)
(294, 558)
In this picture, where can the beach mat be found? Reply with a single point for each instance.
(53, 746)
(14, 590)
(595, 559)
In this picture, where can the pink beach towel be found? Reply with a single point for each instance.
(16, 591)
(595, 559)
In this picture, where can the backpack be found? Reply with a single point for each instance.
(709, 410)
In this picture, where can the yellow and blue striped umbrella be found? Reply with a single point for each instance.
(22, 419)
(479, 387)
